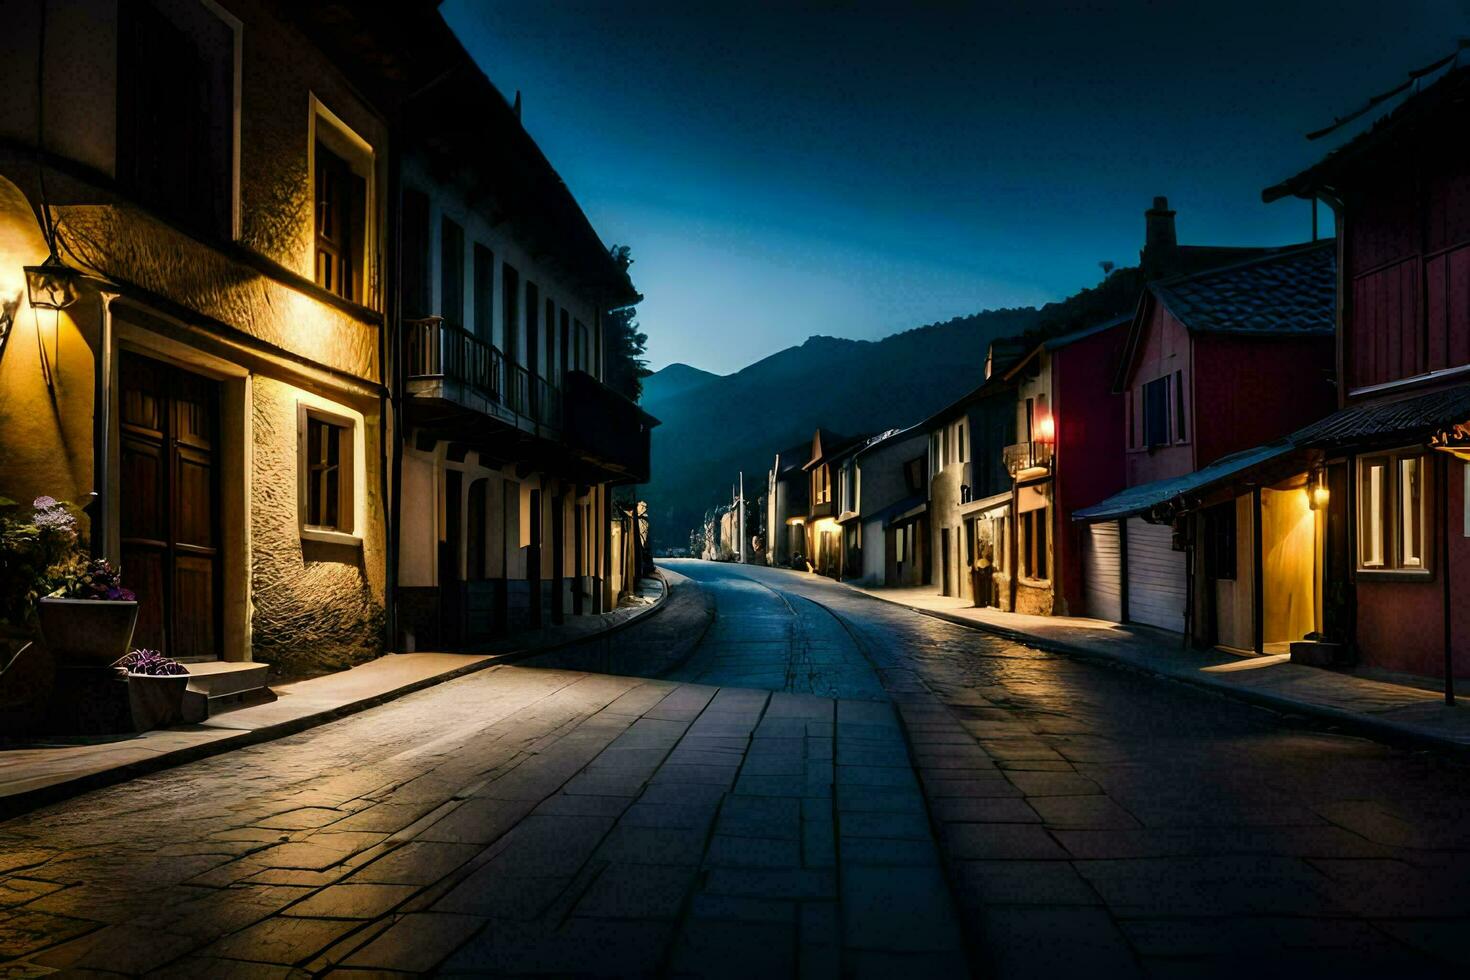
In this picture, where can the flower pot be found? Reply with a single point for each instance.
(87, 632)
(156, 700)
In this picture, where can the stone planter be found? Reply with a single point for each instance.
(157, 701)
(1318, 653)
(87, 632)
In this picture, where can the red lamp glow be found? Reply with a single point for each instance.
(1046, 429)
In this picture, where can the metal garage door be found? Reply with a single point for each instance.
(1102, 570)
(1155, 576)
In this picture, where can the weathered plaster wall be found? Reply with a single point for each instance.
(45, 436)
(134, 248)
(317, 607)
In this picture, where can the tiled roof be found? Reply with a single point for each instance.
(1419, 102)
(1289, 292)
(1383, 422)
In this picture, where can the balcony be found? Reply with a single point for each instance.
(1027, 459)
(606, 428)
(449, 364)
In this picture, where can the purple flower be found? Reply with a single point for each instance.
(43, 503)
(56, 519)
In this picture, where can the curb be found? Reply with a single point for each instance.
(24, 802)
(1350, 721)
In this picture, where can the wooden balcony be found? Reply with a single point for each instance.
(607, 428)
(1027, 459)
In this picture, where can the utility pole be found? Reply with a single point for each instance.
(742, 517)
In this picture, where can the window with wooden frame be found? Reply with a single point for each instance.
(1393, 512)
(176, 123)
(341, 208)
(327, 453)
(1180, 434)
(1156, 413)
(584, 347)
(1033, 544)
(913, 474)
(821, 485)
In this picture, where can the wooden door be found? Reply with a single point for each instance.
(168, 499)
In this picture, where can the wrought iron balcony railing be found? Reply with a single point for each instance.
(436, 349)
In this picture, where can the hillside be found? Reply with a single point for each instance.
(715, 425)
(672, 381)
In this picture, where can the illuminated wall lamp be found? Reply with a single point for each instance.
(1046, 429)
(50, 286)
(1318, 495)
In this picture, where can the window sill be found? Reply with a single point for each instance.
(324, 536)
(1403, 575)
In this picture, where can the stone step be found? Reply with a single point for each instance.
(219, 685)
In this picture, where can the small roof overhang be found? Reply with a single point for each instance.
(1259, 466)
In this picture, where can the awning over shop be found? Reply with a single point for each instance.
(1390, 423)
(1141, 499)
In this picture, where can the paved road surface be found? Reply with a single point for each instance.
(908, 783)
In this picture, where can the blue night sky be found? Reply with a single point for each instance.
(855, 169)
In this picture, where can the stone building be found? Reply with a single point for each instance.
(212, 183)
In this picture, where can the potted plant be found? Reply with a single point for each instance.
(90, 622)
(156, 687)
(38, 553)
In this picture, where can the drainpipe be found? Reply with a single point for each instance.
(1444, 521)
(390, 349)
(102, 429)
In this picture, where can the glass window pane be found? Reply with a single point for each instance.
(1371, 501)
(1411, 530)
(330, 494)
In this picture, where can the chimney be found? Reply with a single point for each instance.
(517, 108)
(1160, 245)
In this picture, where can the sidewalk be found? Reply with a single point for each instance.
(43, 769)
(1373, 707)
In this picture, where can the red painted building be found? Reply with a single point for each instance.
(1396, 448)
(1215, 362)
(1071, 424)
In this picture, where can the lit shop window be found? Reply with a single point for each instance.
(1391, 502)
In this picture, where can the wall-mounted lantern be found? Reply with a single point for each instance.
(50, 286)
(1046, 429)
(1318, 495)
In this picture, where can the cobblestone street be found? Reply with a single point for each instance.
(820, 784)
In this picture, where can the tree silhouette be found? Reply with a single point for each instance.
(625, 343)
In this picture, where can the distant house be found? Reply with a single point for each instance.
(1068, 453)
(889, 477)
(824, 537)
(969, 488)
(1215, 363)
(788, 494)
(1390, 475)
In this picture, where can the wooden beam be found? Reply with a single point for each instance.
(1258, 590)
